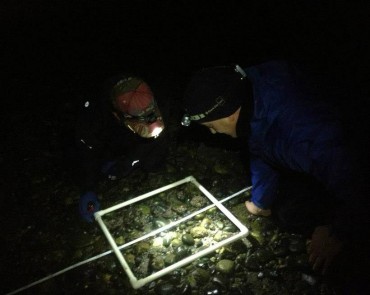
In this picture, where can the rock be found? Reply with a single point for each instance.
(200, 276)
(130, 259)
(225, 266)
(199, 216)
(170, 259)
(176, 243)
(212, 290)
(198, 201)
(182, 252)
(198, 232)
(165, 289)
(206, 222)
(222, 236)
(188, 239)
(219, 224)
(120, 240)
(157, 242)
(160, 222)
(144, 209)
(142, 247)
(221, 280)
(158, 263)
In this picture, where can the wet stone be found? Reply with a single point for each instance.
(182, 226)
(160, 222)
(130, 259)
(170, 259)
(166, 241)
(230, 228)
(198, 232)
(212, 211)
(198, 243)
(190, 223)
(257, 238)
(188, 239)
(220, 224)
(181, 196)
(176, 243)
(198, 201)
(219, 236)
(142, 247)
(206, 223)
(144, 209)
(184, 289)
(221, 280)
(225, 266)
(212, 290)
(200, 276)
(120, 240)
(142, 269)
(182, 252)
(203, 263)
(165, 289)
(199, 216)
(158, 263)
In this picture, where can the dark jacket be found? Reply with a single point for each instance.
(105, 146)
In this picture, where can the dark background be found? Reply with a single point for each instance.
(55, 54)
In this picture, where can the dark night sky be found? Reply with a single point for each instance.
(53, 51)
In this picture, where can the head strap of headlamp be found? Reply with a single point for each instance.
(219, 101)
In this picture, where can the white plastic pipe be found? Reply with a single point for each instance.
(139, 283)
(134, 241)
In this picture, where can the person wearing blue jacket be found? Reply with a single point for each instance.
(288, 128)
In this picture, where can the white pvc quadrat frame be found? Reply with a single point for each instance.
(141, 282)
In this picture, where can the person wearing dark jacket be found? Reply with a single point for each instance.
(288, 129)
(117, 134)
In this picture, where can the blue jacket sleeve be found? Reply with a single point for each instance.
(264, 183)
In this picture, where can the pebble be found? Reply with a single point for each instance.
(201, 276)
(182, 252)
(225, 266)
(170, 259)
(165, 289)
(188, 239)
(198, 232)
(158, 263)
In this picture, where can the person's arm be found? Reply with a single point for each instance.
(332, 166)
(89, 151)
(264, 183)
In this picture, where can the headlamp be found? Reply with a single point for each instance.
(185, 121)
(150, 118)
(218, 102)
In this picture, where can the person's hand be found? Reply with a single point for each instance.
(323, 248)
(89, 205)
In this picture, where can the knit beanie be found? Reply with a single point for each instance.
(215, 93)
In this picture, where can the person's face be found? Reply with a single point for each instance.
(224, 125)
